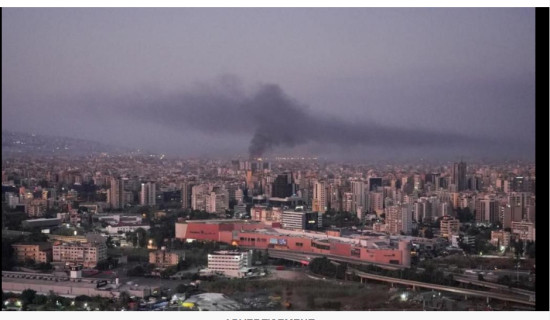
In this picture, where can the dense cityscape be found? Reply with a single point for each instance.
(270, 159)
(149, 232)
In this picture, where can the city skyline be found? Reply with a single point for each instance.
(360, 83)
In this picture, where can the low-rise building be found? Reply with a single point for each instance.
(524, 230)
(87, 254)
(449, 226)
(41, 223)
(301, 220)
(500, 238)
(68, 286)
(229, 263)
(163, 258)
(40, 252)
(123, 227)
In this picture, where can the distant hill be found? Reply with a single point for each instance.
(39, 144)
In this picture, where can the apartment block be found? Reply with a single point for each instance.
(38, 252)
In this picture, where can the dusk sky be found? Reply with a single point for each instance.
(361, 83)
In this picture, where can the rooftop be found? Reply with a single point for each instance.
(220, 221)
(228, 253)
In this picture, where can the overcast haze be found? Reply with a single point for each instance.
(369, 82)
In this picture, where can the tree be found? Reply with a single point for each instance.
(531, 250)
(109, 242)
(325, 267)
(132, 238)
(142, 237)
(37, 237)
(123, 299)
(27, 296)
(40, 299)
(107, 264)
(465, 215)
(136, 271)
(29, 262)
(8, 260)
(44, 266)
(428, 233)
(518, 247)
(166, 273)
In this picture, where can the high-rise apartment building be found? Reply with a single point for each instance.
(487, 210)
(186, 188)
(374, 183)
(116, 193)
(199, 197)
(359, 195)
(217, 201)
(148, 194)
(283, 186)
(399, 219)
(320, 197)
(511, 214)
(376, 202)
(458, 177)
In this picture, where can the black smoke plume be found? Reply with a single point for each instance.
(274, 120)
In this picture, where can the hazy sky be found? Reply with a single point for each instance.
(368, 82)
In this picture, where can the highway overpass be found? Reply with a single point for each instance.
(460, 291)
(469, 280)
(527, 299)
(300, 257)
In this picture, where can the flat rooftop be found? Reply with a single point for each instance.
(376, 242)
(227, 253)
(221, 221)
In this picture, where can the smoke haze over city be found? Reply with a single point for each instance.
(358, 83)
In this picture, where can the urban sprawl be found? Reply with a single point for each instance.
(149, 232)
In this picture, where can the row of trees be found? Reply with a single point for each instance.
(30, 299)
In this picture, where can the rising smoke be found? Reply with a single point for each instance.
(275, 120)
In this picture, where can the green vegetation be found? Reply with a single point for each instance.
(465, 215)
(430, 274)
(340, 219)
(30, 300)
(107, 264)
(325, 267)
